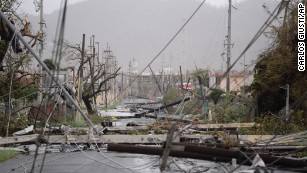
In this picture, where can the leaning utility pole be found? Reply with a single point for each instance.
(114, 80)
(93, 72)
(184, 53)
(92, 68)
(80, 87)
(122, 87)
(228, 47)
(48, 72)
(41, 29)
(107, 53)
(105, 85)
(40, 52)
(98, 62)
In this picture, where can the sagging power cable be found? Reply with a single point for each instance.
(162, 50)
(265, 25)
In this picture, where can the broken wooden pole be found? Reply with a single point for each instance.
(159, 151)
(162, 107)
(216, 145)
(217, 155)
(167, 147)
(181, 80)
(213, 151)
(286, 162)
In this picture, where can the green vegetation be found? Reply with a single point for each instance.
(203, 74)
(277, 66)
(96, 119)
(82, 123)
(25, 87)
(193, 106)
(75, 123)
(172, 95)
(113, 105)
(226, 107)
(138, 132)
(7, 154)
(215, 95)
(18, 87)
(49, 63)
(302, 154)
(16, 123)
(232, 108)
(270, 124)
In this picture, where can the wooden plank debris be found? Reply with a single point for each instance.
(222, 126)
(133, 139)
(18, 139)
(130, 139)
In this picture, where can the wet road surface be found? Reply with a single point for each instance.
(107, 162)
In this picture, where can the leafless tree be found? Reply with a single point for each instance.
(97, 77)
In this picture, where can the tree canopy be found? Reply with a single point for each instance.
(50, 64)
(277, 66)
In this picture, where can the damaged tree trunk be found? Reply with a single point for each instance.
(6, 37)
(87, 102)
(88, 94)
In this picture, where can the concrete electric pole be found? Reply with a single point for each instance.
(228, 47)
(40, 52)
(80, 87)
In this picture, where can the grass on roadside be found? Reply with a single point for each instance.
(7, 154)
(94, 118)
(112, 105)
(74, 123)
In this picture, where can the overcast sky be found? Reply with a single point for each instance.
(142, 36)
(28, 6)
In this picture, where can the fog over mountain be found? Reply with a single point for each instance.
(141, 28)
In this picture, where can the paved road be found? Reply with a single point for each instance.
(79, 162)
(104, 162)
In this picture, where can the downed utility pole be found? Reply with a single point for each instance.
(163, 107)
(11, 26)
(153, 74)
(168, 145)
(210, 154)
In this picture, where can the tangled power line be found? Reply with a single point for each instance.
(266, 24)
